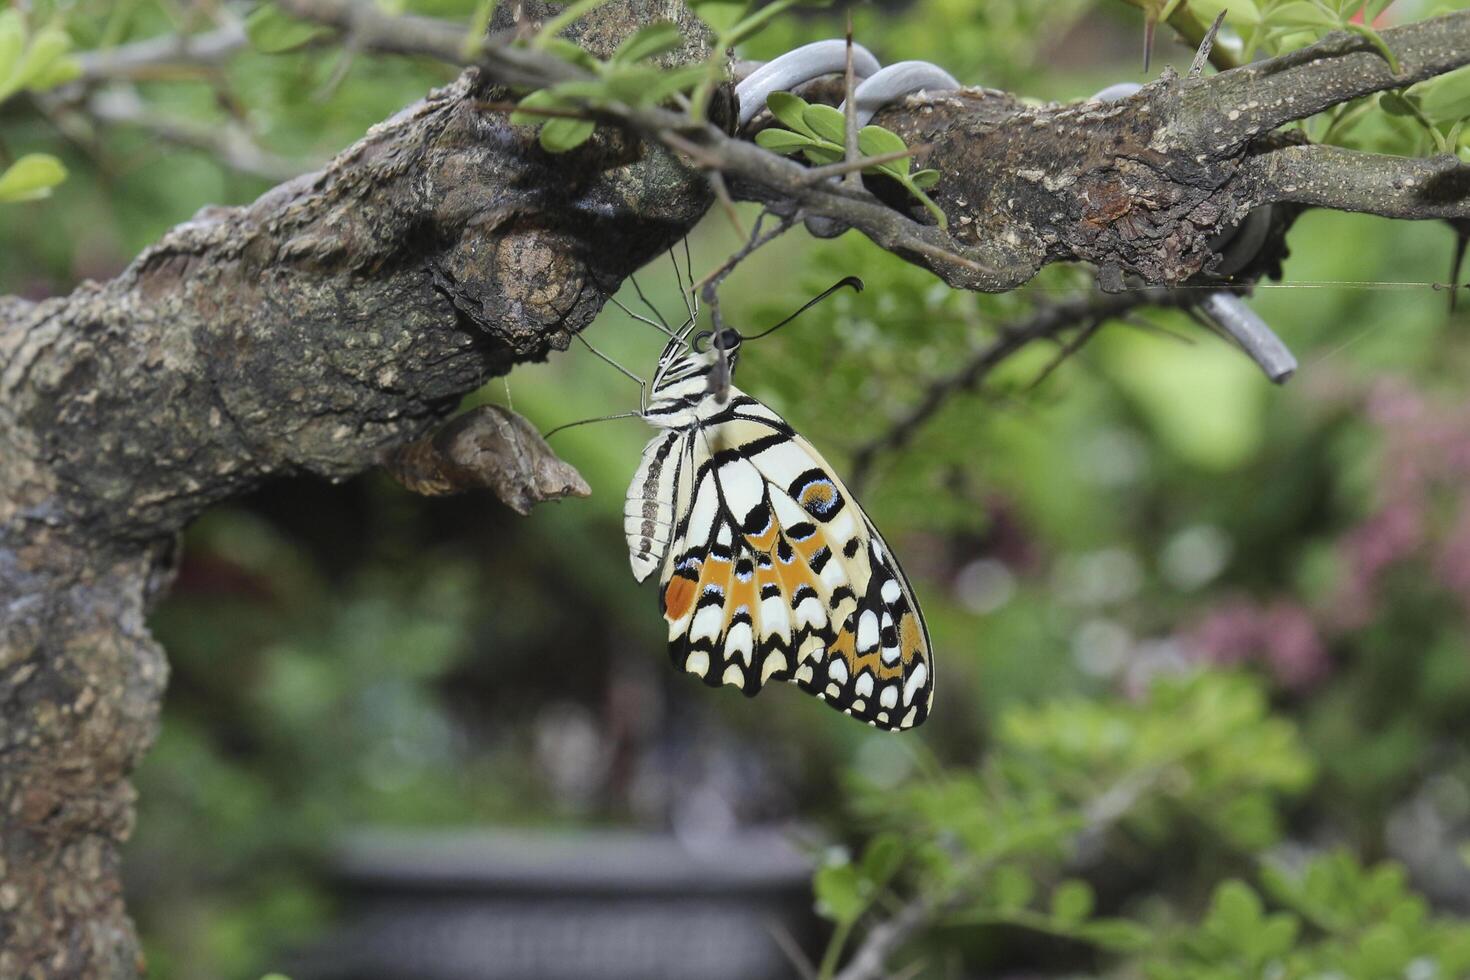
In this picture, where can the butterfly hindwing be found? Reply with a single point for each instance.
(775, 572)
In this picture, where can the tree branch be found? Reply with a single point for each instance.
(1373, 183)
(142, 59)
(1236, 106)
(340, 315)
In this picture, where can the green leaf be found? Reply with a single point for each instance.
(1116, 935)
(875, 141)
(823, 153)
(271, 31)
(45, 62)
(628, 83)
(539, 99)
(1235, 909)
(925, 179)
(782, 140)
(1384, 951)
(571, 52)
(720, 15)
(1238, 13)
(882, 858)
(669, 82)
(1010, 889)
(1398, 105)
(749, 26)
(648, 42)
(31, 178)
(560, 135)
(826, 122)
(1445, 99)
(790, 111)
(12, 41)
(1071, 903)
(1299, 13)
(838, 892)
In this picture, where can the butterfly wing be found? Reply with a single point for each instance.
(776, 572)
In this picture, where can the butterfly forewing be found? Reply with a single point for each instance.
(773, 571)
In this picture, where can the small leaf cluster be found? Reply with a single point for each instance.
(1434, 110)
(1000, 846)
(628, 78)
(818, 132)
(1337, 919)
(1011, 846)
(32, 62)
(273, 31)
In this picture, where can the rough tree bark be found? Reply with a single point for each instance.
(342, 315)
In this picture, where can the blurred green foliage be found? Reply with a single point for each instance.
(1204, 672)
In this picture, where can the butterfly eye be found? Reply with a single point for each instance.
(729, 340)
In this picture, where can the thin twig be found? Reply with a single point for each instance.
(727, 203)
(756, 241)
(1045, 322)
(1070, 348)
(1202, 56)
(851, 176)
(858, 164)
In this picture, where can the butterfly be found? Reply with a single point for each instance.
(769, 569)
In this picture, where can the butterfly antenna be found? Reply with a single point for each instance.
(626, 373)
(600, 418)
(853, 281)
(690, 308)
(646, 301)
(660, 327)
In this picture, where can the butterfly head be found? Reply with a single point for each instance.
(686, 359)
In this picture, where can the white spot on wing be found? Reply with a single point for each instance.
(889, 697)
(891, 591)
(915, 681)
(739, 643)
(864, 685)
(837, 669)
(742, 485)
(774, 619)
(832, 573)
(708, 623)
(775, 662)
(734, 675)
(867, 632)
(698, 663)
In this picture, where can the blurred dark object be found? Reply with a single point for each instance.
(478, 905)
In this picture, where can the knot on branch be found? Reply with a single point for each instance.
(492, 447)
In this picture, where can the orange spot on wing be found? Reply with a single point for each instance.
(910, 637)
(678, 597)
(797, 573)
(766, 540)
(818, 496)
(742, 594)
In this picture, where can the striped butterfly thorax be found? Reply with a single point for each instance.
(769, 568)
